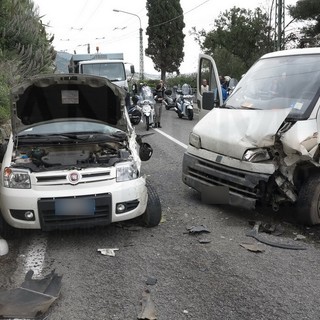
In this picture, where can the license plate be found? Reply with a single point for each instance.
(74, 207)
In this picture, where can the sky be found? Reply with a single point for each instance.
(75, 23)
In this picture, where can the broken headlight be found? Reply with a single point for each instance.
(195, 140)
(126, 171)
(256, 155)
(16, 178)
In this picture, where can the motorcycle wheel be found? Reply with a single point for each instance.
(147, 123)
(190, 114)
(167, 107)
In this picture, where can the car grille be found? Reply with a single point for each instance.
(61, 179)
(101, 216)
(248, 184)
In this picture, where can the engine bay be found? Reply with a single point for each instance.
(57, 157)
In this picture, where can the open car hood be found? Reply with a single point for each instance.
(60, 96)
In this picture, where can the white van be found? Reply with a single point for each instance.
(73, 158)
(261, 147)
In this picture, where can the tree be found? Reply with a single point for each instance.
(166, 39)
(25, 47)
(238, 39)
(308, 10)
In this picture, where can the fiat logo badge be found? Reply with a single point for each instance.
(74, 177)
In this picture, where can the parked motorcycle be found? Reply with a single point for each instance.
(134, 111)
(184, 102)
(169, 101)
(147, 103)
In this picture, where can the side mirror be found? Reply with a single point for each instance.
(145, 151)
(132, 71)
(209, 101)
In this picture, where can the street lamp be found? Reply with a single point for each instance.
(140, 42)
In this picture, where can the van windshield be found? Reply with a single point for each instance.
(280, 82)
(114, 71)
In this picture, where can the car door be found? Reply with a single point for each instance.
(208, 100)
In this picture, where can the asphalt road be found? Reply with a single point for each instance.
(217, 279)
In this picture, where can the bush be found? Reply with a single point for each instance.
(4, 101)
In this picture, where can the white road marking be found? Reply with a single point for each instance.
(172, 139)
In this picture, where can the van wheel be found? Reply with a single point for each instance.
(152, 215)
(6, 231)
(308, 204)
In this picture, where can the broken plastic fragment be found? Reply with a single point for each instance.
(198, 229)
(4, 249)
(299, 237)
(148, 311)
(108, 252)
(151, 281)
(32, 299)
(252, 247)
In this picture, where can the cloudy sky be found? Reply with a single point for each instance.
(75, 23)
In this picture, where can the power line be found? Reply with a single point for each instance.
(179, 16)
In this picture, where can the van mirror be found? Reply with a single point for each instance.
(209, 101)
(132, 71)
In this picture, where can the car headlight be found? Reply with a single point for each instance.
(16, 178)
(126, 171)
(256, 155)
(195, 140)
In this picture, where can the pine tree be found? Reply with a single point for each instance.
(166, 37)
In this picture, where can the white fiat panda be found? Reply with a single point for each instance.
(73, 158)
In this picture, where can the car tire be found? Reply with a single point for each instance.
(152, 216)
(308, 204)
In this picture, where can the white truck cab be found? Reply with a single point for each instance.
(261, 146)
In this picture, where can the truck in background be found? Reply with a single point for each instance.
(108, 65)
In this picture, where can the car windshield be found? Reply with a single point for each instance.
(114, 71)
(279, 82)
(70, 127)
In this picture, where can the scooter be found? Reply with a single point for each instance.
(147, 103)
(134, 111)
(184, 102)
(169, 101)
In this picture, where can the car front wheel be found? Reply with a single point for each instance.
(152, 215)
(308, 204)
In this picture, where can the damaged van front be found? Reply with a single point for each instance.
(261, 147)
(73, 158)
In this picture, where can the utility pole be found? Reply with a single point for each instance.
(279, 25)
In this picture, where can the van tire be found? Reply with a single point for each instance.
(152, 216)
(308, 204)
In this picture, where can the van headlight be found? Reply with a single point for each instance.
(256, 155)
(195, 140)
(16, 178)
(126, 171)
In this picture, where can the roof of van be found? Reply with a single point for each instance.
(292, 52)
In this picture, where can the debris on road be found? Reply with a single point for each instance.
(151, 281)
(197, 229)
(32, 299)
(204, 240)
(299, 237)
(254, 247)
(4, 248)
(254, 233)
(108, 251)
(148, 311)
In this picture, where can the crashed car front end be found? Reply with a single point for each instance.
(72, 159)
(262, 145)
